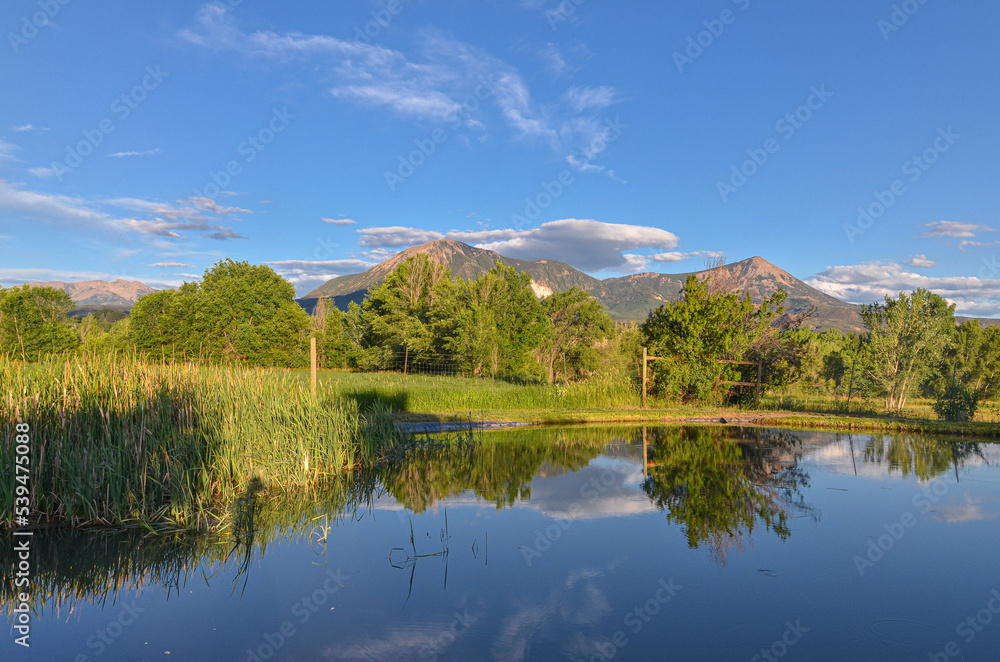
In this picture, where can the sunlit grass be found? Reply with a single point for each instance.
(116, 440)
(424, 394)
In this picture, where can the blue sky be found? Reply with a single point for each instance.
(853, 144)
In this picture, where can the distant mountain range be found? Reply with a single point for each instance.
(101, 294)
(626, 298)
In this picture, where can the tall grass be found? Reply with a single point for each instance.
(116, 440)
(464, 395)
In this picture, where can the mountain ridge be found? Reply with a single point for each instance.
(100, 293)
(627, 298)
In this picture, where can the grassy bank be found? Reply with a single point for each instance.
(117, 440)
(427, 398)
(885, 424)
(421, 394)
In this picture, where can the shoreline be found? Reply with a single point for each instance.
(429, 423)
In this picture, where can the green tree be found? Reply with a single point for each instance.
(341, 336)
(166, 321)
(239, 312)
(249, 314)
(498, 323)
(398, 312)
(33, 322)
(972, 361)
(701, 329)
(578, 323)
(907, 337)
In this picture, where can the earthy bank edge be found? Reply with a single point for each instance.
(858, 423)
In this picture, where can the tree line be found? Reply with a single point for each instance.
(494, 326)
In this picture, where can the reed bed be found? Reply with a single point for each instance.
(116, 440)
(461, 395)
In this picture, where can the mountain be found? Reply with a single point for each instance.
(469, 262)
(100, 293)
(626, 297)
(631, 297)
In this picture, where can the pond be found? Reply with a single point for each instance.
(590, 543)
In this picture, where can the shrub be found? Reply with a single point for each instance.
(957, 404)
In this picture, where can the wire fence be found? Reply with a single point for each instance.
(449, 365)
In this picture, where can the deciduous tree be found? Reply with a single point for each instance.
(33, 322)
(907, 337)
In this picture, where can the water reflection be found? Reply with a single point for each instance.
(923, 457)
(499, 470)
(720, 485)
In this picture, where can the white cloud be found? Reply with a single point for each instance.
(11, 277)
(396, 236)
(339, 221)
(194, 276)
(22, 128)
(322, 267)
(168, 220)
(586, 244)
(43, 172)
(171, 265)
(7, 151)
(676, 256)
(364, 73)
(920, 261)
(379, 254)
(976, 296)
(555, 61)
(148, 152)
(560, 62)
(307, 274)
(955, 230)
(437, 83)
(16, 200)
(477, 237)
(209, 204)
(582, 99)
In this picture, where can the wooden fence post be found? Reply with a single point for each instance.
(756, 395)
(312, 364)
(645, 453)
(644, 355)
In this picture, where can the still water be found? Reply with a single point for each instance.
(695, 543)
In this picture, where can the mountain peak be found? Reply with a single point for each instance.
(626, 298)
(99, 292)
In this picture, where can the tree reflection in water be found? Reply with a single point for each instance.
(498, 470)
(920, 456)
(721, 484)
